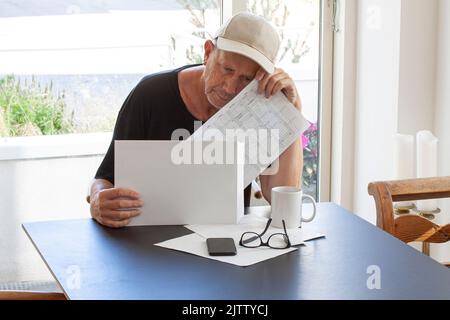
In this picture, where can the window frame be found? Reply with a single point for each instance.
(325, 98)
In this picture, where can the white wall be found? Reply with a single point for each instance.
(377, 86)
(442, 115)
(395, 85)
(417, 83)
(402, 85)
(50, 187)
(400, 53)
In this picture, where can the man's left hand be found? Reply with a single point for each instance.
(270, 84)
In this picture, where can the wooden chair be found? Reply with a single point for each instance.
(31, 295)
(411, 227)
(31, 290)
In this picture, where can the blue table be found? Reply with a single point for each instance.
(93, 262)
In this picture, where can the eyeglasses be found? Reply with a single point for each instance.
(275, 241)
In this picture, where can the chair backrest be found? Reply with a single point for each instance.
(409, 228)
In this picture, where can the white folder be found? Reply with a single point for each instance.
(177, 194)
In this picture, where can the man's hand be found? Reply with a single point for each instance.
(270, 84)
(114, 207)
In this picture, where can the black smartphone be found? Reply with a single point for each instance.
(221, 246)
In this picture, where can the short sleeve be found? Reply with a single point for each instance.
(130, 125)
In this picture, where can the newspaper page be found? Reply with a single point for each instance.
(267, 125)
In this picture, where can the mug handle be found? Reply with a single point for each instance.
(313, 202)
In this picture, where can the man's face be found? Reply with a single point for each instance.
(226, 74)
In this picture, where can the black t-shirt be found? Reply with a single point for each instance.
(152, 111)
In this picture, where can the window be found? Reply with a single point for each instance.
(69, 66)
(298, 23)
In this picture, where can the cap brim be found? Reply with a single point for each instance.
(245, 50)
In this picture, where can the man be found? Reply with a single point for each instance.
(244, 48)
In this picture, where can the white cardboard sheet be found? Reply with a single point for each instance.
(178, 194)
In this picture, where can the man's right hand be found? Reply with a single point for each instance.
(115, 207)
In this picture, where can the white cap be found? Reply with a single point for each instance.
(251, 36)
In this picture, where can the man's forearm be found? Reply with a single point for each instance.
(289, 170)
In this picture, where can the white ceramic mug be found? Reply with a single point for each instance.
(287, 205)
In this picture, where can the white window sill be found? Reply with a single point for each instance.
(55, 146)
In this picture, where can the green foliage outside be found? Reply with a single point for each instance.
(31, 109)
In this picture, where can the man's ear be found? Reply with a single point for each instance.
(209, 48)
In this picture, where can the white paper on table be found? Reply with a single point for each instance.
(253, 223)
(196, 244)
(252, 111)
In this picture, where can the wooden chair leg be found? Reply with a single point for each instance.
(426, 248)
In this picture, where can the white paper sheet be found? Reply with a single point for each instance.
(178, 194)
(196, 243)
(253, 223)
(250, 110)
